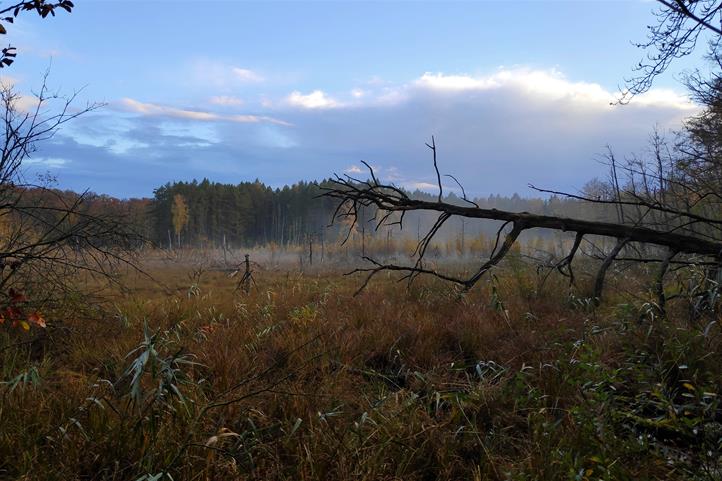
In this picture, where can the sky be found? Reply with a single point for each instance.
(514, 92)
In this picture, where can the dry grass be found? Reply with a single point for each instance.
(300, 380)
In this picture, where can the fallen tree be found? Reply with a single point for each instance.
(672, 201)
(385, 200)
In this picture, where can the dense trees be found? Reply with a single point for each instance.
(247, 213)
(207, 214)
(252, 213)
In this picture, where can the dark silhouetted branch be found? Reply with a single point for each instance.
(354, 195)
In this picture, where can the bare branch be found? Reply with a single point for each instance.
(436, 167)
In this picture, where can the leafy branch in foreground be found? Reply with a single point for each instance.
(8, 15)
(47, 237)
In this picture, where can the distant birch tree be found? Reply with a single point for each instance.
(179, 214)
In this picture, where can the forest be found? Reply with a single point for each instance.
(252, 214)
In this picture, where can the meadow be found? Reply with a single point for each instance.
(185, 377)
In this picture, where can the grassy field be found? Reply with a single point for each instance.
(300, 380)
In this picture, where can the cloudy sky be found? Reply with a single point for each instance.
(514, 92)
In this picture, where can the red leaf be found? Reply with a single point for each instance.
(37, 319)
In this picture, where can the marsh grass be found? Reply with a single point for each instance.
(300, 380)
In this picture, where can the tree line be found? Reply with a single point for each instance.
(212, 214)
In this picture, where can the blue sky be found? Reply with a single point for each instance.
(515, 92)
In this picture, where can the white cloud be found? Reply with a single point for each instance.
(353, 169)
(550, 86)
(47, 162)
(315, 100)
(454, 83)
(391, 96)
(425, 186)
(547, 85)
(665, 98)
(8, 80)
(165, 111)
(226, 100)
(23, 102)
(541, 86)
(246, 75)
(156, 110)
(26, 103)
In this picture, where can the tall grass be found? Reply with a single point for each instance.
(300, 380)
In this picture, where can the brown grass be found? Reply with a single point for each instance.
(301, 380)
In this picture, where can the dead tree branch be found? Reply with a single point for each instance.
(354, 195)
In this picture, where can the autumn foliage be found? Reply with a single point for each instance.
(16, 315)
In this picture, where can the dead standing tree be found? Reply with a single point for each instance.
(355, 195)
(246, 280)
